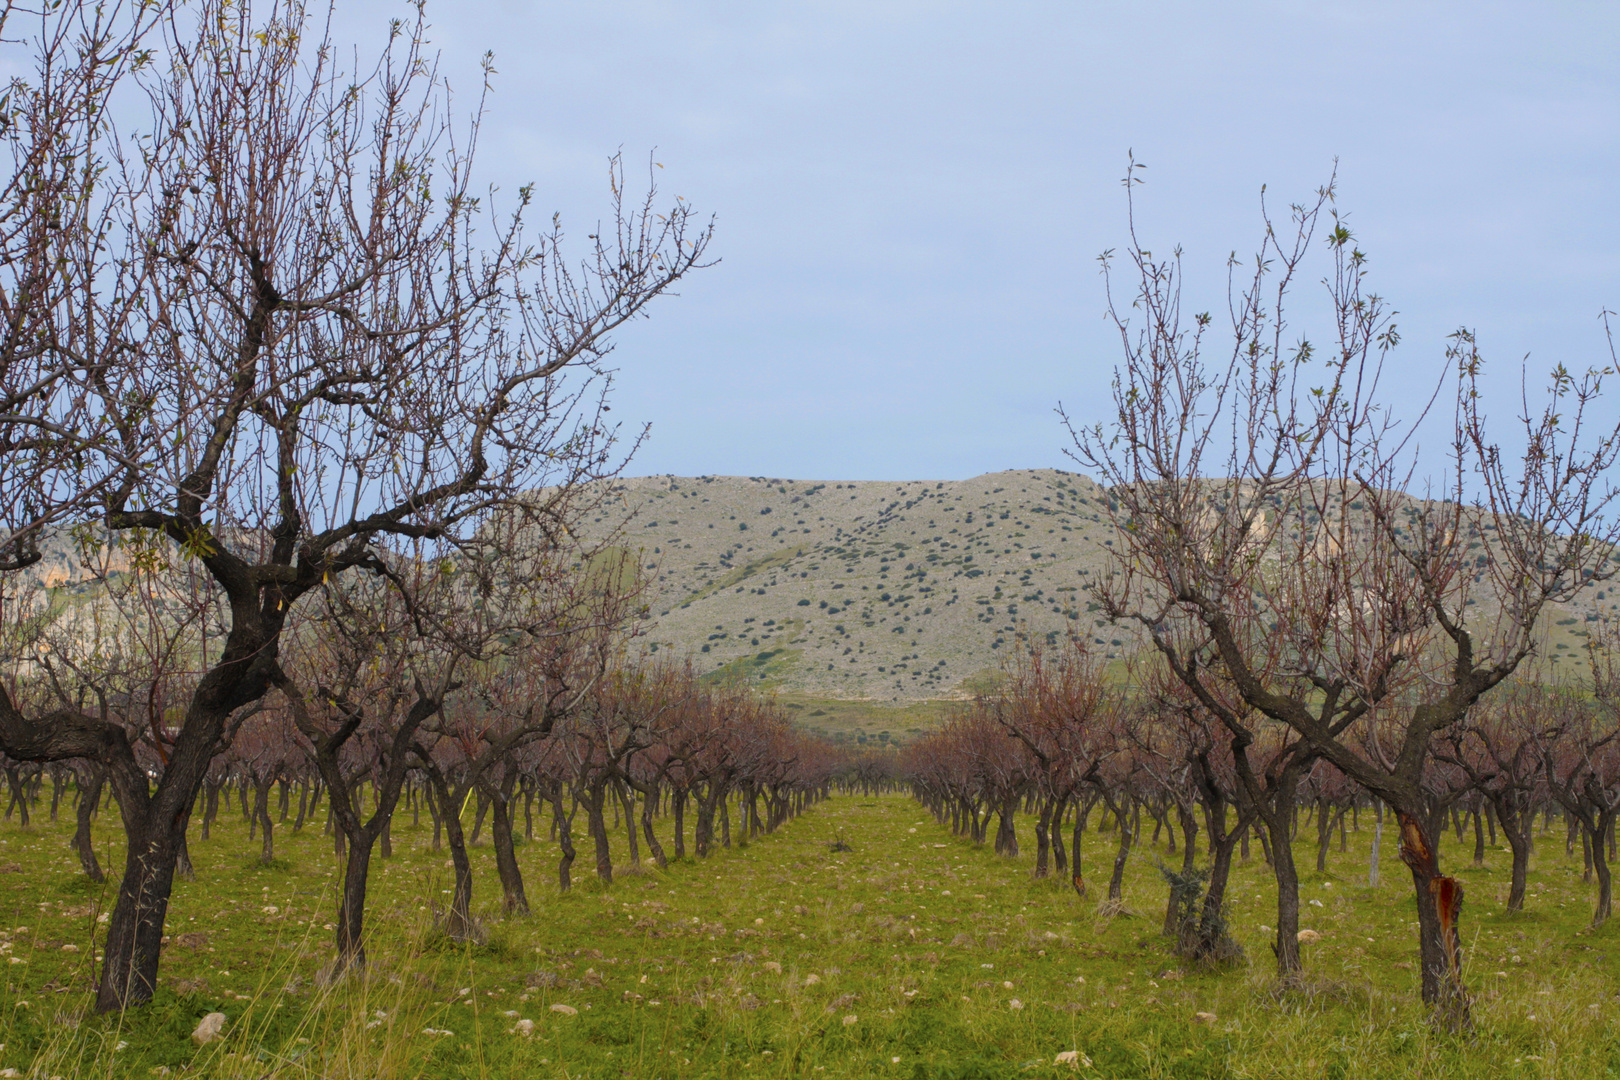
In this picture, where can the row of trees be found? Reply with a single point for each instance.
(271, 358)
(642, 744)
(1060, 740)
(1300, 557)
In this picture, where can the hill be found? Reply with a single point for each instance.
(865, 605)
(887, 592)
(882, 591)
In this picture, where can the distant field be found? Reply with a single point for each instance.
(915, 955)
(866, 723)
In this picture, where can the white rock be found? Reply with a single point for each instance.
(209, 1028)
(523, 1028)
(566, 1010)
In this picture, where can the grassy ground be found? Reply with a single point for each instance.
(914, 956)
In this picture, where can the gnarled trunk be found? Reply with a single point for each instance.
(564, 824)
(94, 778)
(1116, 881)
(514, 897)
(648, 803)
(1516, 827)
(1439, 908)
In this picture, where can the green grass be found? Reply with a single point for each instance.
(908, 957)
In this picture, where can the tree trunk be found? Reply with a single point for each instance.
(83, 842)
(458, 924)
(1439, 907)
(1377, 844)
(261, 810)
(19, 797)
(702, 835)
(1324, 834)
(1600, 864)
(1519, 841)
(648, 800)
(527, 787)
(1077, 877)
(1006, 831)
(514, 897)
(1286, 874)
(1189, 836)
(1043, 841)
(182, 862)
(1116, 882)
(565, 837)
(1215, 944)
(351, 947)
(1277, 813)
(135, 931)
(596, 821)
(678, 812)
(478, 818)
(210, 807)
(1060, 857)
(622, 794)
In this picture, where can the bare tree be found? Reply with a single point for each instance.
(341, 348)
(64, 326)
(1268, 537)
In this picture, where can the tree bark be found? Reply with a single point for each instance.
(648, 802)
(1081, 813)
(1516, 828)
(94, 778)
(565, 836)
(458, 923)
(1116, 881)
(514, 897)
(678, 813)
(261, 811)
(595, 798)
(1439, 907)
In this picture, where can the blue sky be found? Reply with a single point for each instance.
(911, 196)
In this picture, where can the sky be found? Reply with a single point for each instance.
(910, 195)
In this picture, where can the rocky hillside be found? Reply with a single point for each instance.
(889, 592)
(879, 594)
(886, 591)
